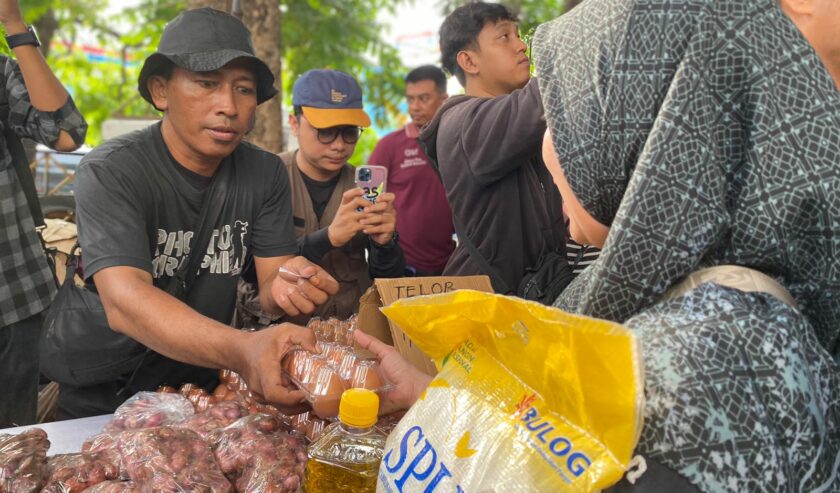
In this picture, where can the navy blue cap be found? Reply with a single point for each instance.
(330, 98)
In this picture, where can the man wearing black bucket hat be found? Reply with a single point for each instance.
(140, 198)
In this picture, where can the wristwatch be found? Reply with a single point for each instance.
(25, 38)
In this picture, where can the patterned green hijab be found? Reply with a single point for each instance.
(707, 132)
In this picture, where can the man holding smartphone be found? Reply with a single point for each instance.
(334, 223)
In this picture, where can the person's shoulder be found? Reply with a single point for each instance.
(459, 111)
(259, 167)
(387, 144)
(119, 151)
(288, 158)
(256, 155)
(392, 137)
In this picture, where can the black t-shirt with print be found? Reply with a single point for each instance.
(136, 208)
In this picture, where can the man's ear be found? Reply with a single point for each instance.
(293, 125)
(467, 60)
(798, 8)
(157, 89)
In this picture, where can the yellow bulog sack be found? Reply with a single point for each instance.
(529, 398)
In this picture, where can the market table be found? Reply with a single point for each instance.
(66, 437)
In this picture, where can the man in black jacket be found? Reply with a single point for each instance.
(487, 146)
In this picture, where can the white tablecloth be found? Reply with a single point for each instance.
(66, 437)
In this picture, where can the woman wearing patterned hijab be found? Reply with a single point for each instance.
(707, 133)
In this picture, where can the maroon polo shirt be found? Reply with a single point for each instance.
(424, 219)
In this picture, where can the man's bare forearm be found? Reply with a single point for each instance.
(165, 324)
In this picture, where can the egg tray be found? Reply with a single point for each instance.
(333, 330)
(309, 425)
(324, 377)
(232, 388)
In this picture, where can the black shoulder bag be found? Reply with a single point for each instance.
(77, 346)
(542, 283)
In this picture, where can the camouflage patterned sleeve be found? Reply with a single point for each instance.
(40, 126)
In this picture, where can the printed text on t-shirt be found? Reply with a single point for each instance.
(225, 253)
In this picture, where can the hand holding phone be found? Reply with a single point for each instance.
(371, 179)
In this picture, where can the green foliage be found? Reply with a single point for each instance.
(105, 89)
(338, 34)
(31, 10)
(343, 35)
(531, 13)
(364, 148)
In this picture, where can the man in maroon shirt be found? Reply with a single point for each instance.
(424, 219)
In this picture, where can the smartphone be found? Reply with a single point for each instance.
(372, 180)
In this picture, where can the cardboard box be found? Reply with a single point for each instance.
(386, 291)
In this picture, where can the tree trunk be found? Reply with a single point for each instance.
(263, 19)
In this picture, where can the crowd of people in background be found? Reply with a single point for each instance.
(673, 166)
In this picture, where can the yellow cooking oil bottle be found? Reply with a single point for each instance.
(345, 459)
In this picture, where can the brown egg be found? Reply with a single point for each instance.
(347, 367)
(186, 388)
(296, 363)
(224, 375)
(338, 355)
(328, 382)
(314, 429)
(195, 394)
(234, 379)
(326, 407)
(204, 402)
(287, 363)
(242, 386)
(326, 393)
(299, 422)
(316, 363)
(366, 375)
(328, 348)
(221, 391)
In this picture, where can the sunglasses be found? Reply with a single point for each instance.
(349, 134)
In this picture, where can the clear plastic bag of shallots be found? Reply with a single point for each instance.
(74, 473)
(259, 455)
(214, 418)
(171, 459)
(114, 487)
(23, 461)
(150, 409)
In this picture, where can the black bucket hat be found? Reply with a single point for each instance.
(203, 40)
